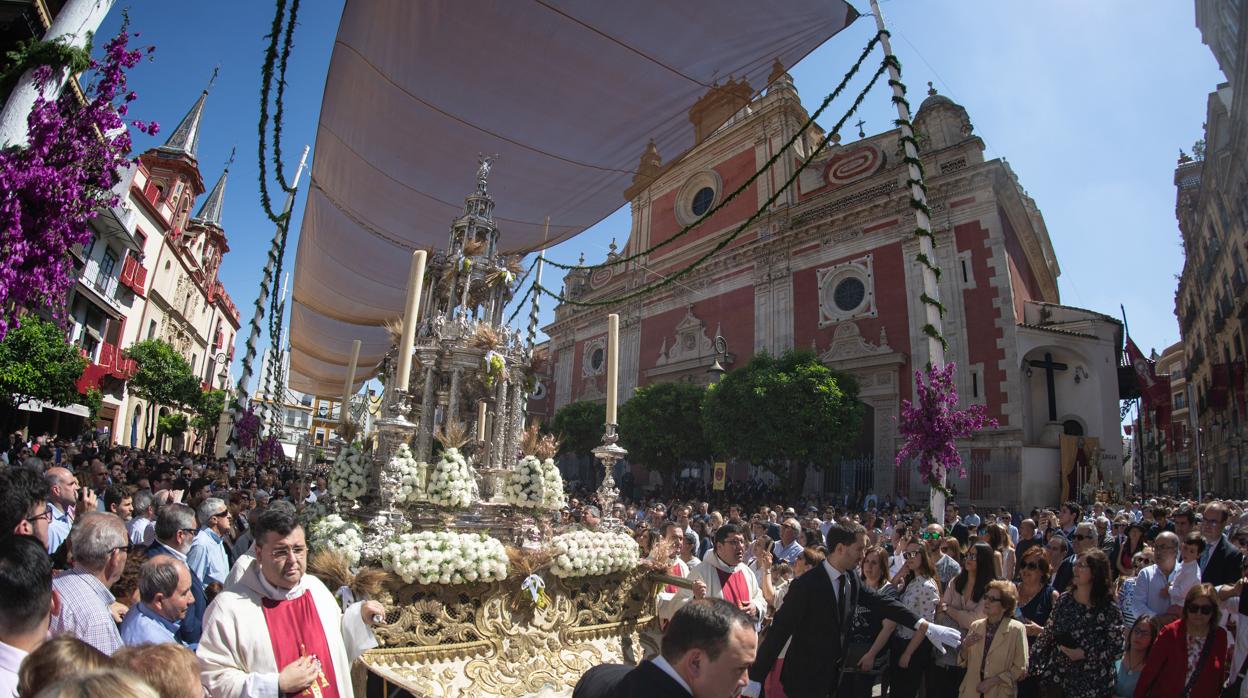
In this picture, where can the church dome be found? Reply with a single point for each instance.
(941, 121)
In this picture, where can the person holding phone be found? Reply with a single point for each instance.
(1077, 651)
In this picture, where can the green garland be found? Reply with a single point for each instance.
(765, 168)
(672, 278)
(34, 53)
(266, 83)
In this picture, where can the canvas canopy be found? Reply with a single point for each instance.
(566, 93)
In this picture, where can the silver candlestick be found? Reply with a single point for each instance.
(387, 520)
(610, 453)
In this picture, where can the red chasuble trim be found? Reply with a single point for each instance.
(736, 589)
(295, 630)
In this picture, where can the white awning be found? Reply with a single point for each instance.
(567, 94)
(40, 406)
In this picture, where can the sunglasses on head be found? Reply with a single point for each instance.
(1203, 609)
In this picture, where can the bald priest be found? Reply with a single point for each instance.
(279, 631)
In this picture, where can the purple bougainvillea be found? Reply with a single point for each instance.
(270, 452)
(933, 423)
(247, 428)
(52, 187)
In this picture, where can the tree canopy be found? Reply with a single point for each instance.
(36, 363)
(783, 413)
(661, 426)
(163, 377)
(579, 426)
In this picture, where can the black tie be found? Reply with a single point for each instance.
(840, 597)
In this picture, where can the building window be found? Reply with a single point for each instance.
(849, 294)
(974, 384)
(107, 265)
(697, 196)
(846, 291)
(702, 201)
(151, 330)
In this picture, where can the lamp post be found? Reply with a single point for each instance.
(717, 369)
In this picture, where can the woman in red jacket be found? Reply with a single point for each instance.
(1189, 658)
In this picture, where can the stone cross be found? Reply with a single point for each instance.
(1049, 367)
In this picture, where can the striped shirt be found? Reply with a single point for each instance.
(84, 610)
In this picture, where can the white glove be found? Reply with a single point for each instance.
(942, 636)
(752, 689)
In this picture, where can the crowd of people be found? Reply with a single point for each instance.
(111, 557)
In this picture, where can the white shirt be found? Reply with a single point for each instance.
(10, 660)
(668, 669)
(835, 574)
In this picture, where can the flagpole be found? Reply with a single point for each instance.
(238, 402)
(918, 195)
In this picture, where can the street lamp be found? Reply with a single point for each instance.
(721, 351)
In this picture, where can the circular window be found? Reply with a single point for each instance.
(702, 201)
(849, 294)
(596, 359)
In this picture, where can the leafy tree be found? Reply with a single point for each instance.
(208, 409)
(36, 363)
(163, 378)
(661, 426)
(579, 426)
(172, 425)
(783, 413)
(93, 400)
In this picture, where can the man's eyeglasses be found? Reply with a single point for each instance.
(930, 536)
(188, 531)
(45, 516)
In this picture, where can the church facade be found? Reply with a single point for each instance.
(829, 268)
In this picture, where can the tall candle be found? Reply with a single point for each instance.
(416, 279)
(481, 421)
(613, 365)
(348, 387)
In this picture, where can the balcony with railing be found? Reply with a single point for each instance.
(108, 361)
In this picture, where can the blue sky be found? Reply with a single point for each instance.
(1090, 103)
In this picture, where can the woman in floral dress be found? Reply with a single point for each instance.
(1078, 648)
(911, 653)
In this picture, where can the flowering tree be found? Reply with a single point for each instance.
(933, 424)
(270, 452)
(53, 186)
(247, 428)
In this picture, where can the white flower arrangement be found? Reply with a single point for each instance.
(348, 479)
(589, 553)
(535, 484)
(412, 474)
(334, 533)
(451, 482)
(445, 557)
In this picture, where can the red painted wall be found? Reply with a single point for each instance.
(732, 172)
(732, 312)
(982, 332)
(888, 267)
(1022, 282)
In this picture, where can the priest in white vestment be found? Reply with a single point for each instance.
(279, 631)
(673, 536)
(722, 574)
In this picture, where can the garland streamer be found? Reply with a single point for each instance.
(271, 56)
(674, 276)
(765, 168)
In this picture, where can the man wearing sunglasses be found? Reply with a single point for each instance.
(1221, 562)
(946, 567)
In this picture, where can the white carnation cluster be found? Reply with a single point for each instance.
(348, 479)
(589, 553)
(535, 484)
(451, 482)
(412, 474)
(334, 533)
(445, 557)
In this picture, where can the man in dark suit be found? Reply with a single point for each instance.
(954, 525)
(818, 609)
(1221, 562)
(706, 652)
(175, 529)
